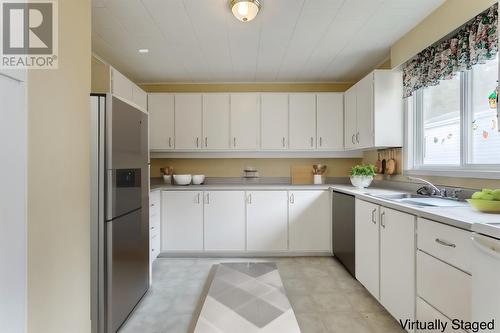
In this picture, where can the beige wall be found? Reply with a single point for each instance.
(448, 17)
(59, 181)
(247, 87)
(267, 167)
(100, 76)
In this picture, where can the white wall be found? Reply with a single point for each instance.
(13, 154)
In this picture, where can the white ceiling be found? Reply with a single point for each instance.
(289, 41)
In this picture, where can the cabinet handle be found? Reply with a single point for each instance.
(373, 216)
(152, 205)
(206, 142)
(320, 141)
(382, 223)
(312, 141)
(249, 199)
(234, 141)
(357, 137)
(170, 142)
(198, 198)
(208, 198)
(352, 139)
(197, 142)
(283, 141)
(292, 198)
(445, 243)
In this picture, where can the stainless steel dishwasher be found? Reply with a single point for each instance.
(343, 229)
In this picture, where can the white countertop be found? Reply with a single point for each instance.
(461, 217)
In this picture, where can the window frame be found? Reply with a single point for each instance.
(415, 144)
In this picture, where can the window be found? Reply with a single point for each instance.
(454, 125)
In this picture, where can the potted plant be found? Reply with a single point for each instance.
(362, 175)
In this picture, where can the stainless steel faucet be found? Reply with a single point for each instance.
(435, 189)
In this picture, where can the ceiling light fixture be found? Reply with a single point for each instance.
(143, 50)
(245, 10)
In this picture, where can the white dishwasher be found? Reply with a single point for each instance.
(486, 280)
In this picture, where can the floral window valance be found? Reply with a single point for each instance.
(473, 43)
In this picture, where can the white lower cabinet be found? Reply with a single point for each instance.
(367, 246)
(397, 263)
(225, 221)
(426, 313)
(182, 221)
(309, 217)
(267, 221)
(385, 257)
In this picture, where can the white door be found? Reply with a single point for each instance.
(364, 110)
(225, 220)
(267, 221)
(397, 263)
(350, 122)
(215, 121)
(121, 86)
(139, 97)
(274, 121)
(182, 221)
(188, 115)
(310, 221)
(302, 121)
(245, 123)
(330, 123)
(161, 121)
(367, 246)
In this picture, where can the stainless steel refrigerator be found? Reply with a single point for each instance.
(120, 210)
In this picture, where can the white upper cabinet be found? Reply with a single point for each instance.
(161, 121)
(302, 116)
(330, 121)
(216, 121)
(274, 121)
(245, 121)
(310, 221)
(188, 115)
(374, 102)
(122, 87)
(350, 125)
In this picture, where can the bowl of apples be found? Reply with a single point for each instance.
(486, 201)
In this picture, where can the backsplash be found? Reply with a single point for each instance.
(267, 167)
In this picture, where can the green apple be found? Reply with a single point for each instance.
(488, 196)
(487, 190)
(477, 195)
(496, 194)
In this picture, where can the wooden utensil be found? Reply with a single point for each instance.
(391, 164)
(384, 164)
(378, 164)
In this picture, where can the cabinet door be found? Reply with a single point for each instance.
(397, 263)
(245, 123)
(274, 121)
(121, 86)
(330, 124)
(350, 126)
(267, 221)
(188, 121)
(139, 97)
(309, 221)
(182, 221)
(367, 246)
(302, 121)
(225, 220)
(364, 110)
(161, 121)
(215, 121)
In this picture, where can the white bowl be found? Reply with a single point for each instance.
(182, 179)
(361, 181)
(198, 179)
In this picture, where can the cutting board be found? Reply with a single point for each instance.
(302, 174)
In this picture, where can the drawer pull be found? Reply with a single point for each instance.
(373, 216)
(445, 243)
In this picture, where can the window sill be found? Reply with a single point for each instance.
(454, 172)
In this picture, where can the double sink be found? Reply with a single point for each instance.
(420, 200)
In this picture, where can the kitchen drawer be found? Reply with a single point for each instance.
(444, 287)
(154, 222)
(154, 200)
(426, 313)
(155, 246)
(449, 244)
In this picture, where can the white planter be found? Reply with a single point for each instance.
(361, 181)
